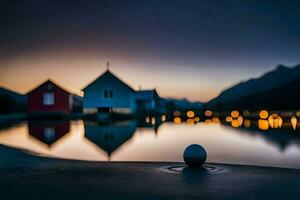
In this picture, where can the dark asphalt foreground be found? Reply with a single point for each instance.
(23, 176)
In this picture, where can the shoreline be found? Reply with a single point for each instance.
(42, 157)
(30, 177)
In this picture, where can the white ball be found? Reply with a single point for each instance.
(194, 155)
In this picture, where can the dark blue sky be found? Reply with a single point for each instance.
(209, 44)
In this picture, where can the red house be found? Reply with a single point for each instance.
(49, 98)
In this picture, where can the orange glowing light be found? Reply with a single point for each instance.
(263, 114)
(275, 121)
(234, 114)
(190, 114)
(153, 120)
(208, 121)
(280, 122)
(208, 113)
(247, 123)
(294, 122)
(228, 119)
(197, 119)
(235, 123)
(263, 124)
(240, 120)
(216, 120)
(147, 119)
(163, 118)
(190, 121)
(177, 120)
(271, 121)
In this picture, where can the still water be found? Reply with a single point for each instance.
(130, 141)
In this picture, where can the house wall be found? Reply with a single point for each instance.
(61, 100)
(123, 97)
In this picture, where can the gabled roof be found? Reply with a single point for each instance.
(109, 74)
(47, 82)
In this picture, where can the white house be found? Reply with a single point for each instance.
(108, 93)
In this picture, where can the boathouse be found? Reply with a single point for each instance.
(49, 98)
(108, 93)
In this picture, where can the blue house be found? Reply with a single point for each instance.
(109, 94)
(147, 100)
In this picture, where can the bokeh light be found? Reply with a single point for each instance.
(234, 114)
(247, 123)
(190, 114)
(208, 113)
(263, 114)
(163, 118)
(263, 124)
(294, 122)
(177, 120)
(228, 119)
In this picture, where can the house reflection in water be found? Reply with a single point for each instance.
(111, 136)
(150, 123)
(48, 132)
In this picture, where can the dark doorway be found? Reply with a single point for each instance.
(104, 110)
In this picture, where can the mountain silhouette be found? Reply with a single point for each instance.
(182, 103)
(11, 101)
(278, 89)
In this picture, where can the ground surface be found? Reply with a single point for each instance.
(28, 177)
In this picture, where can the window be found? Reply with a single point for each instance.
(48, 98)
(49, 134)
(108, 93)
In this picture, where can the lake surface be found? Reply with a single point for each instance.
(131, 141)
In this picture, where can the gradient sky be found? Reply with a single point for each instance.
(184, 48)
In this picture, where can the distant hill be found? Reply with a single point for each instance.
(278, 89)
(11, 101)
(19, 98)
(182, 103)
